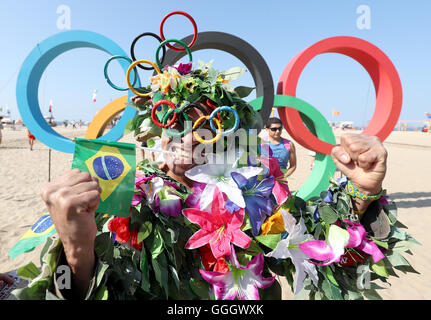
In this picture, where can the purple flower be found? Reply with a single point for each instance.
(193, 200)
(257, 199)
(328, 197)
(241, 282)
(184, 68)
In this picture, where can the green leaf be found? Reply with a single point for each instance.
(330, 276)
(144, 231)
(175, 276)
(270, 240)
(129, 127)
(29, 271)
(36, 292)
(403, 245)
(246, 224)
(372, 295)
(380, 243)
(328, 214)
(161, 271)
(200, 288)
(151, 143)
(380, 268)
(396, 259)
(101, 273)
(391, 212)
(397, 233)
(342, 207)
(102, 293)
(331, 291)
(254, 249)
(157, 245)
(145, 281)
(233, 73)
(242, 91)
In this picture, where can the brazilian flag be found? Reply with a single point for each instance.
(36, 235)
(113, 164)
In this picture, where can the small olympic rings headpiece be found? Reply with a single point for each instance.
(199, 123)
(154, 66)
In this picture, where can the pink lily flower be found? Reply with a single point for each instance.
(359, 240)
(219, 228)
(241, 282)
(281, 189)
(332, 249)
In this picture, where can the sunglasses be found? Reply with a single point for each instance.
(275, 129)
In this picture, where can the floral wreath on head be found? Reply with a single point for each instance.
(182, 85)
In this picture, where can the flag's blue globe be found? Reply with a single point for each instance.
(42, 224)
(108, 167)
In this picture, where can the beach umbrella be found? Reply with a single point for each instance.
(428, 115)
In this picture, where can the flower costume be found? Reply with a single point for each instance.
(239, 224)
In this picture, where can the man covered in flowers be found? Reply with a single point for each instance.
(206, 230)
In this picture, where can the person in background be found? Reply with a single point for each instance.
(282, 149)
(1, 128)
(31, 139)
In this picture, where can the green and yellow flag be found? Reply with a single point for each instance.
(36, 235)
(113, 164)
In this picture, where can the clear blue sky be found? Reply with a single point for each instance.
(277, 29)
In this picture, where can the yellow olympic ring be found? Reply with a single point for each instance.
(105, 116)
(212, 141)
(128, 76)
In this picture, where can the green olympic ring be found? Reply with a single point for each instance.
(324, 167)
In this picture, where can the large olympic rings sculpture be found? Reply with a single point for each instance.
(293, 111)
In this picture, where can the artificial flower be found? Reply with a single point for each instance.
(328, 251)
(184, 68)
(212, 263)
(241, 282)
(338, 239)
(256, 194)
(134, 240)
(358, 239)
(149, 187)
(219, 228)
(193, 200)
(120, 226)
(166, 80)
(289, 248)
(217, 173)
(281, 189)
(274, 224)
(170, 203)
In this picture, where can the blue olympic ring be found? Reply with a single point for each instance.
(229, 109)
(31, 73)
(105, 71)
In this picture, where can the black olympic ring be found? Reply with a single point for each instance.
(132, 48)
(242, 50)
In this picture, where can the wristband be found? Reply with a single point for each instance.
(354, 192)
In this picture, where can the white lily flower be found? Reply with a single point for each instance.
(152, 188)
(217, 173)
(289, 248)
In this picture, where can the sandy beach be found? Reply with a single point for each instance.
(24, 172)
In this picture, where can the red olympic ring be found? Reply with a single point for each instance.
(385, 78)
(153, 113)
(213, 106)
(195, 35)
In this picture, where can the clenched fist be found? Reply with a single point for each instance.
(363, 160)
(72, 200)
